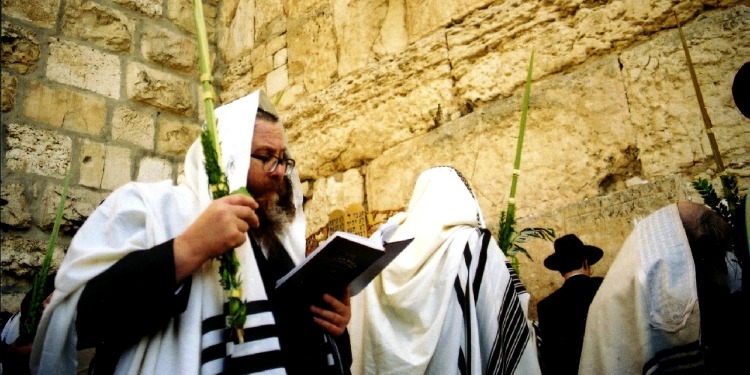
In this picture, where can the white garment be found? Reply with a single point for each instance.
(647, 304)
(448, 301)
(142, 215)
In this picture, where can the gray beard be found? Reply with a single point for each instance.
(275, 217)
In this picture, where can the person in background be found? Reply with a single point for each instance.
(449, 303)
(562, 314)
(666, 304)
(141, 282)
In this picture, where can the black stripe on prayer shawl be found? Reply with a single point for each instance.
(247, 364)
(486, 237)
(462, 294)
(512, 335)
(517, 285)
(683, 359)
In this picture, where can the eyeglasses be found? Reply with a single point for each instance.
(270, 163)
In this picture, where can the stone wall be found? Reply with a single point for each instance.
(372, 93)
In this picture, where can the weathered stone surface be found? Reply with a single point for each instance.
(311, 40)
(424, 17)
(160, 90)
(151, 8)
(91, 163)
(482, 146)
(358, 118)
(22, 258)
(358, 25)
(181, 13)
(21, 48)
(8, 92)
(117, 167)
(280, 57)
(64, 108)
(35, 151)
(135, 127)
(154, 169)
(16, 213)
(84, 67)
(661, 94)
(39, 12)
(175, 137)
(98, 24)
(170, 49)
(79, 205)
(335, 192)
(238, 21)
(270, 20)
(277, 80)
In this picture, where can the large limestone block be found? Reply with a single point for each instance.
(180, 12)
(79, 205)
(334, 192)
(358, 25)
(16, 213)
(98, 24)
(311, 40)
(41, 13)
(357, 119)
(65, 108)
(91, 163)
(170, 49)
(84, 67)
(664, 106)
(175, 137)
(153, 169)
(117, 167)
(132, 126)
(22, 258)
(151, 8)
(424, 17)
(36, 151)
(489, 47)
(21, 48)
(160, 89)
(576, 136)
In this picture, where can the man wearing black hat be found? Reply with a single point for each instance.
(562, 314)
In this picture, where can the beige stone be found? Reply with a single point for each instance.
(151, 8)
(84, 67)
(154, 169)
(238, 38)
(132, 126)
(333, 192)
(21, 48)
(36, 151)
(8, 92)
(41, 13)
(91, 163)
(270, 20)
(280, 58)
(117, 167)
(312, 49)
(180, 12)
(16, 213)
(64, 108)
(357, 25)
(160, 89)
(22, 258)
(98, 24)
(170, 49)
(277, 80)
(79, 204)
(175, 137)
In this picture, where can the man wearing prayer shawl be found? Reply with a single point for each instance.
(665, 305)
(449, 303)
(141, 283)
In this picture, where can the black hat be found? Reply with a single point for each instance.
(569, 249)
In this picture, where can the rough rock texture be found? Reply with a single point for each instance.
(372, 93)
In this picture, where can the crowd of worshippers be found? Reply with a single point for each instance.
(140, 285)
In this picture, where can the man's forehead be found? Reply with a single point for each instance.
(268, 134)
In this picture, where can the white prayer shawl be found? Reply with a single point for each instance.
(448, 303)
(142, 215)
(645, 316)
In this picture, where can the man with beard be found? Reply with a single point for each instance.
(139, 281)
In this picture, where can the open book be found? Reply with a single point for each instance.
(342, 259)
